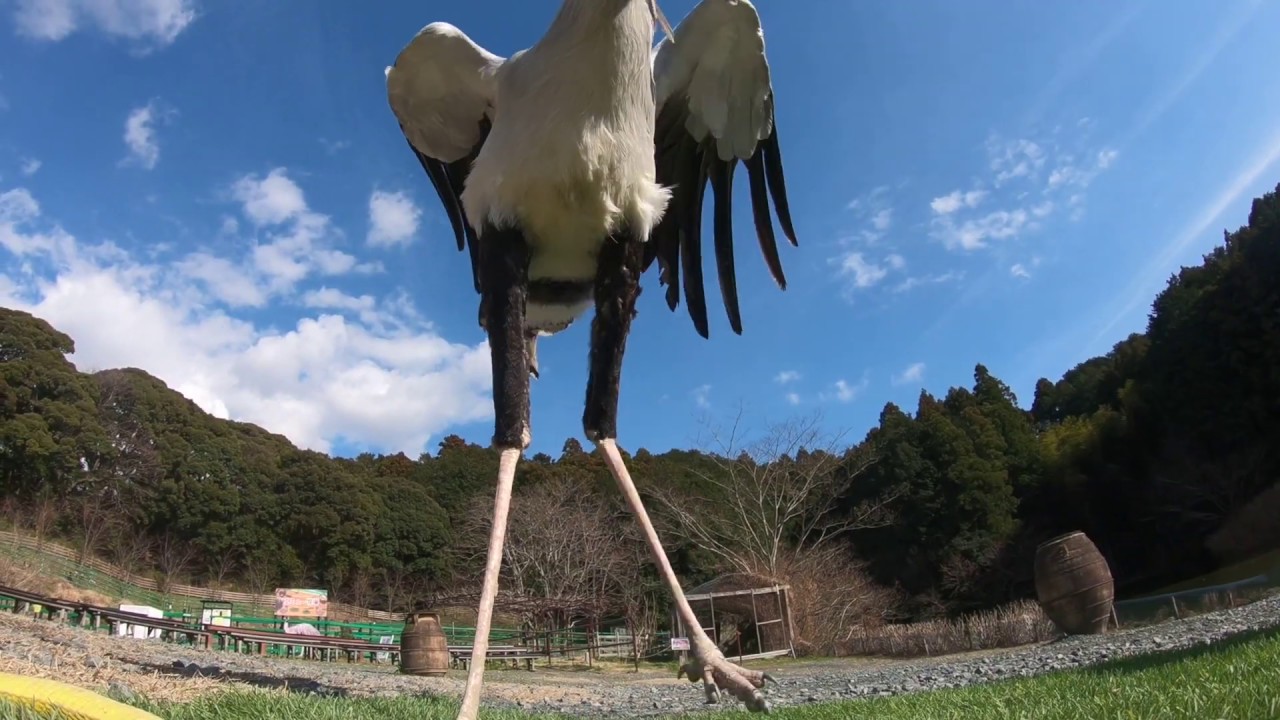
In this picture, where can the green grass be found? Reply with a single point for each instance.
(1233, 679)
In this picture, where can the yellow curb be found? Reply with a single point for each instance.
(74, 703)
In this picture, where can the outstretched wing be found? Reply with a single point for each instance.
(441, 89)
(715, 107)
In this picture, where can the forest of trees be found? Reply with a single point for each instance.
(1164, 450)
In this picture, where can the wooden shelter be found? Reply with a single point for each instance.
(747, 616)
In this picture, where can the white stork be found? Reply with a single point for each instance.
(566, 170)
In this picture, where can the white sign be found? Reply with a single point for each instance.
(679, 643)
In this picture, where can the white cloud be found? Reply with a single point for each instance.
(31, 166)
(393, 218)
(328, 297)
(864, 273)
(974, 234)
(786, 376)
(913, 373)
(702, 396)
(150, 23)
(270, 200)
(845, 392)
(916, 281)
(140, 134)
(1014, 158)
(333, 147)
(793, 398)
(317, 379)
(293, 241)
(1019, 270)
(957, 199)
(229, 282)
(875, 210)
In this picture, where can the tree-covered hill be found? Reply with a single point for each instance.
(1162, 450)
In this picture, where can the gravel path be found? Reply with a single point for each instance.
(166, 671)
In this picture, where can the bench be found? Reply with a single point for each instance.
(462, 655)
(263, 639)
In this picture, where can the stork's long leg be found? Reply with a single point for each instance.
(617, 288)
(504, 274)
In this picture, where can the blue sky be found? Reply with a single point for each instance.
(219, 194)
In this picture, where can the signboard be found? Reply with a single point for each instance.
(679, 643)
(213, 612)
(302, 603)
(385, 640)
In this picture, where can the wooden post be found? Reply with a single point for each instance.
(755, 620)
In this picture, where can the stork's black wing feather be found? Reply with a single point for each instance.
(685, 165)
(449, 179)
(442, 90)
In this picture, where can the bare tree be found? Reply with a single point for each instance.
(174, 557)
(130, 550)
(260, 574)
(562, 536)
(765, 499)
(359, 587)
(222, 566)
(94, 524)
(44, 515)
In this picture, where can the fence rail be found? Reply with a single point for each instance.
(1157, 608)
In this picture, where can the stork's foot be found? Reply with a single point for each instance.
(716, 674)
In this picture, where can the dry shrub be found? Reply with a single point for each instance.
(28, 576)
(830, 592)
(1019, 623)
(1250, 531)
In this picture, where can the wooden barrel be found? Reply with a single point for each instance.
(1074, 584)
(423, 648)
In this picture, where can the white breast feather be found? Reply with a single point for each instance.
(570, 156)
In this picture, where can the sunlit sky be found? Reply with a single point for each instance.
(217, 192)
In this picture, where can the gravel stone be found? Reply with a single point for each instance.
(133, 663)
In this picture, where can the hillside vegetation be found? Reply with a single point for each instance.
(1164, 451)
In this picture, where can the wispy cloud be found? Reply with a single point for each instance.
(874, 212)
(30, 166)
(786, 376)
(393, 219)
(844, 391)
(793, 398)
(290, 243)
(1019, 270)
(1016, 158)
(333, 147)
(1031, 179)
(975, 233)
(915, 281)
(913, 373)
(140, 134)
(702, 396)
(957, 199)
(861, 273)
(1221, 38)
(150, 24)
(1147, 281)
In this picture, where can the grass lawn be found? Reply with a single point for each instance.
(1239, 678)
